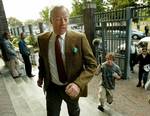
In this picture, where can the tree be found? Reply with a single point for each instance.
(77, 8)
(30, 21)
(13, 22)
(79, 4)
(45, 15)
(100, 5)
(118, 4)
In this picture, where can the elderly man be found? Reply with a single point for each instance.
(66, 64)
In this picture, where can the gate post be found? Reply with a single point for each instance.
(18, 31)
(41, 27)
(14, 30)
(3, 20)
(30, 29)
(89, 21)
(128, 42)
(23, 28)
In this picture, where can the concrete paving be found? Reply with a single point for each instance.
(128, 99)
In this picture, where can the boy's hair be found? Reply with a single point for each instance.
(110, 56)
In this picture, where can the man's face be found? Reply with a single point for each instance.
(60, 21)
(8, 36)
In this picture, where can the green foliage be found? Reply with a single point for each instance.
(31, 21)
(79, 4)
(45, 15)
(31, 40)
(100, 6)
(77, 8)
(13, 22)
(15, 41)
(118, 4)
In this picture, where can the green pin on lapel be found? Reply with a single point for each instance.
(74, 50)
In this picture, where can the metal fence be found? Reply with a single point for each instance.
(113, 28)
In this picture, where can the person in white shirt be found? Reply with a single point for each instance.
(133, 55)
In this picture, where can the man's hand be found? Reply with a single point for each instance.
(72, 90)
(40, 82)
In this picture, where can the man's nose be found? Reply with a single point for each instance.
(63, 21)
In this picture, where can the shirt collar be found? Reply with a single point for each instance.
(62, 36)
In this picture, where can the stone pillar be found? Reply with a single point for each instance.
(30, 29)
(3, 20)
(14, 31)
(89, 21)
(18, 31)
(41, 27)
(23, 29)
(11, 31)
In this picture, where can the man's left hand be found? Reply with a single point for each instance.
(72, 90)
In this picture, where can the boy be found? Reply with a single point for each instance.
(110, 72)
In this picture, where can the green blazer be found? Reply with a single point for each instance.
(80, 63)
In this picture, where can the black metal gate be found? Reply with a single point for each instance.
(113, 29)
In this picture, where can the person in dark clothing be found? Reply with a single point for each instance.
(146, 30)
(3, 51)
(25, 52)
(144, 60)
(11, 55)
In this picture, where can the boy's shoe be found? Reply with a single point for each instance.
(101, 108)
(31, 75)
(15, 77)
(138, 85)
(110, 102)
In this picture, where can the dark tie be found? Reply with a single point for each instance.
(59, 61)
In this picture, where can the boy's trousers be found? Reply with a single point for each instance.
(105, 94)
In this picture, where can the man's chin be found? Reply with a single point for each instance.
(63, 31)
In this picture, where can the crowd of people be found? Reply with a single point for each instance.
(67, 64)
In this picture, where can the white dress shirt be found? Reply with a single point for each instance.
(52, 58)
(133, 49)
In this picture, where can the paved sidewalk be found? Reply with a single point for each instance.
(128, 99)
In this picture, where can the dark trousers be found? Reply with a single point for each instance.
(54, 96)
(143, 75)
(132, 61)
(28, 66)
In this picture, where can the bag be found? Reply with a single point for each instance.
(147, 67)
(147, 85)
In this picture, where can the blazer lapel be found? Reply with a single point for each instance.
(46, 44)
(67, 50)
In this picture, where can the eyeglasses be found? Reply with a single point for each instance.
(65, 18)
